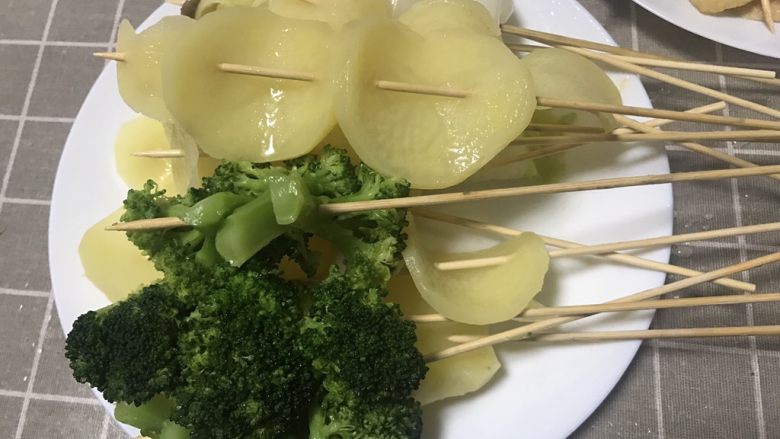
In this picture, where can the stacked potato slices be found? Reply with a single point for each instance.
(335, 67)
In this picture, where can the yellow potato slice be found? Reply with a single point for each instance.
(175, 175)
(112, 263)
(714, 6)
(336, 13)
(480, 296)
(454, 376)
(434, 16)
(138, 135)
(138, 76)
(241, 117)
(432, 141)
(561, 74)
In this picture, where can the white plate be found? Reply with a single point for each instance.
(541, 392)
(750, 35)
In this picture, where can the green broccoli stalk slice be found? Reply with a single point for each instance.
(128, 350)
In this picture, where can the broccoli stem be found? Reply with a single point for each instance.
(149, 416)
(172, 430)
(250, 228)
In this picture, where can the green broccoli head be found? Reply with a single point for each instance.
(329, 175)
(128, 350)
(243, 375)
(344, 417)
(361, 343)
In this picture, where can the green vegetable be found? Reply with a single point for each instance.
(243, 352)
(129, 350)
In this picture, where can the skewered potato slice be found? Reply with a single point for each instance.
(454, 376)
(175, 175)
(480, 296)
(242, 117)
(560, 74)
(336, 13)
(139, 80)
(112, 263)
(433, 142)
(435, 16)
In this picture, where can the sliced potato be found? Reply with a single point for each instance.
(241, 117)
(434, 16)
(138, 135)
(112, 263)
(336, 13)
(714, 6)
(480, 296)
(432, 141)
(175, 175)
(454, 376)
(560, 74)
(138, 76)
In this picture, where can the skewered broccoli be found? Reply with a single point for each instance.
(241, 351)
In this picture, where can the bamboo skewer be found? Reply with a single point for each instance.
(552, 150)
(405, 87)
(655, 136)
(696, 147)
(742, 72)
(111, 56)
(609, 183)
(631, 260)
(457, 197)
(574, 310)
(769, 18)
(663, 77)
(666, 240)
(160, 154)
(664, 114)
(554, 39)
(616, 246)
(646, 334)
(527, 330)
(465, 264)
(563, 128)
(266, 72)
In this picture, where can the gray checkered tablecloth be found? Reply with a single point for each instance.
(716, 388)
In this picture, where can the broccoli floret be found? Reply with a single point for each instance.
(243, 376)
(360, 342)
(129, 350)
(338, 417)
(330, 174)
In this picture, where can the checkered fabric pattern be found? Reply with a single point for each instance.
(714, 388)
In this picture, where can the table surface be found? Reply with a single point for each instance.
(716, 388)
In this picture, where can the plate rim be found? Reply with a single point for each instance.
(705, 31)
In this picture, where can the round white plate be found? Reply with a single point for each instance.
(541, 392)
(750, 35)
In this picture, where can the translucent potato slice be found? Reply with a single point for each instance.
(112, 263)
(434, 16)
(561, 74)
(454, 376)
(433, 142)
(336, 13)
(138, 76)
(241, 117)
(175, 175)
(480, 296)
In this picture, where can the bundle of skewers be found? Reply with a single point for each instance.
(474, 150)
